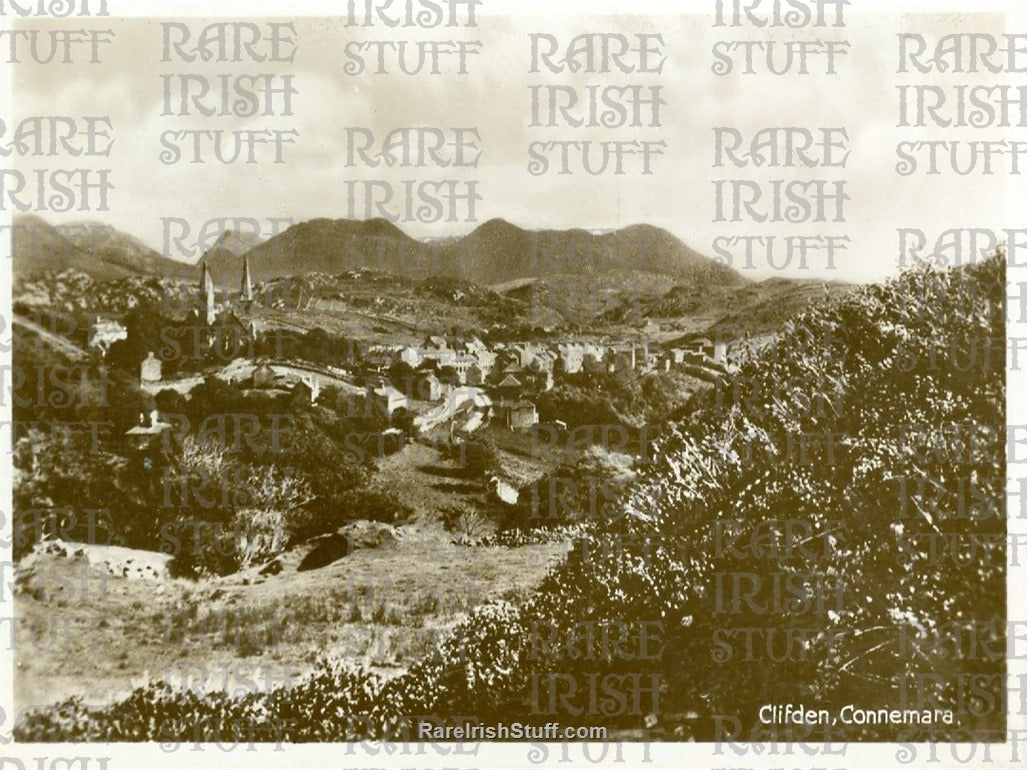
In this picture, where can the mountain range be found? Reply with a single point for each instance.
(98, 250)
(624, 277)
(493, 253)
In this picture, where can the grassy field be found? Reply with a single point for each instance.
(384, 604)
(384, 607)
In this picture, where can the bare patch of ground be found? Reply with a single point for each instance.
(81, 631)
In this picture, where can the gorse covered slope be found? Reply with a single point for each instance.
(804, 537)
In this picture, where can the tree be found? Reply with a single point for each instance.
(480, 457)
(401, 375)
(251, 512)
(148, 331)
(403, 419)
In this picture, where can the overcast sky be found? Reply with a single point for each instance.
(495, 100)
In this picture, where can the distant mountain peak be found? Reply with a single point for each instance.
(236, 242)
(96, 249)
(499, 224)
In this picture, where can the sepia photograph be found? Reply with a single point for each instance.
(488, 383)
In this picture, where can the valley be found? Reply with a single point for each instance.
(320, 446)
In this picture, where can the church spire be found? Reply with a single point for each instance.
(247, 280)
(207, 304)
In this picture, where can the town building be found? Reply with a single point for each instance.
(517, 415)
(104, 332)
(150, 369)
(264, 376)
(387, 399)
(143, 434)
(572, 357)
(411, 356)
(509, 388)
(428, 387)
(462, 364)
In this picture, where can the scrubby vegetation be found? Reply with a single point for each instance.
(777, 549)
(616, 398)
(239, 476)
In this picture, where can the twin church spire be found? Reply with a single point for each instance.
(208, 303)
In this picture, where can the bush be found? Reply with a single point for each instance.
(588, 491)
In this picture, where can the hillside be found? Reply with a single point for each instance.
(495, 252)
(100, 251)
(567, 263)
(498, 251)
(683, 292)
(329, 246)
(731, 312)
(383, 308)
(770, 302)
(603, 298)
(39, 247)
(634, 297)
(73, 291)
(879, 617)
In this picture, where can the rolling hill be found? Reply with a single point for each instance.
(39, 247)
(726, 311)
(767, 303)
(495, 252)
(329, 246)
(98, 250)
(383, 308)
(498, 251)
(592, 280)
